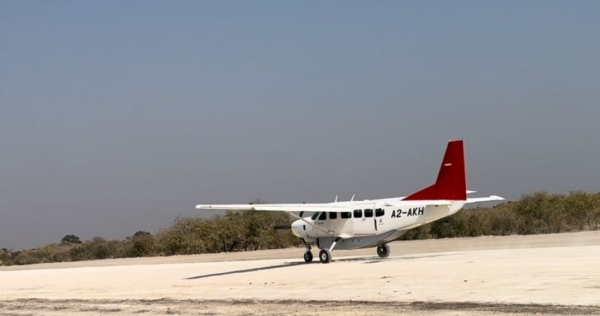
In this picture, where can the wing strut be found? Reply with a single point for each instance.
(311, 224)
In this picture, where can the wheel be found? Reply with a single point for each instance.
(308, 256)
(325, 256)
(383, 251)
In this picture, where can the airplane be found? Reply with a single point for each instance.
(353, 224)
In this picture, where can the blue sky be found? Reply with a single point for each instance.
(118, 116)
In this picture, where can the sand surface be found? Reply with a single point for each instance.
(515, 275)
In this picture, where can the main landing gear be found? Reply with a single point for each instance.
(383, 251)
(325, 256)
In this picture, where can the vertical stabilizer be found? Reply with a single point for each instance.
(451, 183)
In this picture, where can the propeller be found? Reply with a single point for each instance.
(284, 227)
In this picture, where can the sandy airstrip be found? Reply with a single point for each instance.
(514, 275)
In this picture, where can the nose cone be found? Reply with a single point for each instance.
(298, 228)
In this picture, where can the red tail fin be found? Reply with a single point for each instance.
(451, 182)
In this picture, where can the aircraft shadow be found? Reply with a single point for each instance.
(369, 260)
(366, 260)
(278, 266)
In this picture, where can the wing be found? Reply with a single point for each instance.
(288, 208)
(321, 207)
(312, 207)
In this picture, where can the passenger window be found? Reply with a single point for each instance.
(323, 216)
(346, 215)
(357, 213)
(368, 213)
(332, 215)
(379, 212)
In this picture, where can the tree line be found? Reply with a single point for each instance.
(536, 213)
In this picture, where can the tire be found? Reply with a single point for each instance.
(308, 256)
(325, 256)
(383, 251)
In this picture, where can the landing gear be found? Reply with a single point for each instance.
(308, 256)
(325, 256)
(383, 251)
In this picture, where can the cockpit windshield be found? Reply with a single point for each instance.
(314, 216)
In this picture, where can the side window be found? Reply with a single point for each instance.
(323, 216)
(346, 215)
(314, 216)
(369, 213)
(357, 213)
(379, 212)
(332, 215)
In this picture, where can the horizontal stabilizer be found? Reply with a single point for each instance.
(404, 203)
(485, 199)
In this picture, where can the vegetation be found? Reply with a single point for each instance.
(537, 213)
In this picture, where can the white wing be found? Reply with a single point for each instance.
(312, 207)
(321, 207)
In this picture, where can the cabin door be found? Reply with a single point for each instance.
(364, 220)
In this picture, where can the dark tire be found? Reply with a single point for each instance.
(308, 256)
(383, 251)
(325, 256)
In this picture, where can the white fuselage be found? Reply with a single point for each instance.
(374, 223)
(369, 219)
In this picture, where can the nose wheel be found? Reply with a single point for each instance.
(383, 251)
(308, 256)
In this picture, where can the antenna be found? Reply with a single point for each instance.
(352, 199)
(336, 199)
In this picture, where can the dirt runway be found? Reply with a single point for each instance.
(516, 275)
